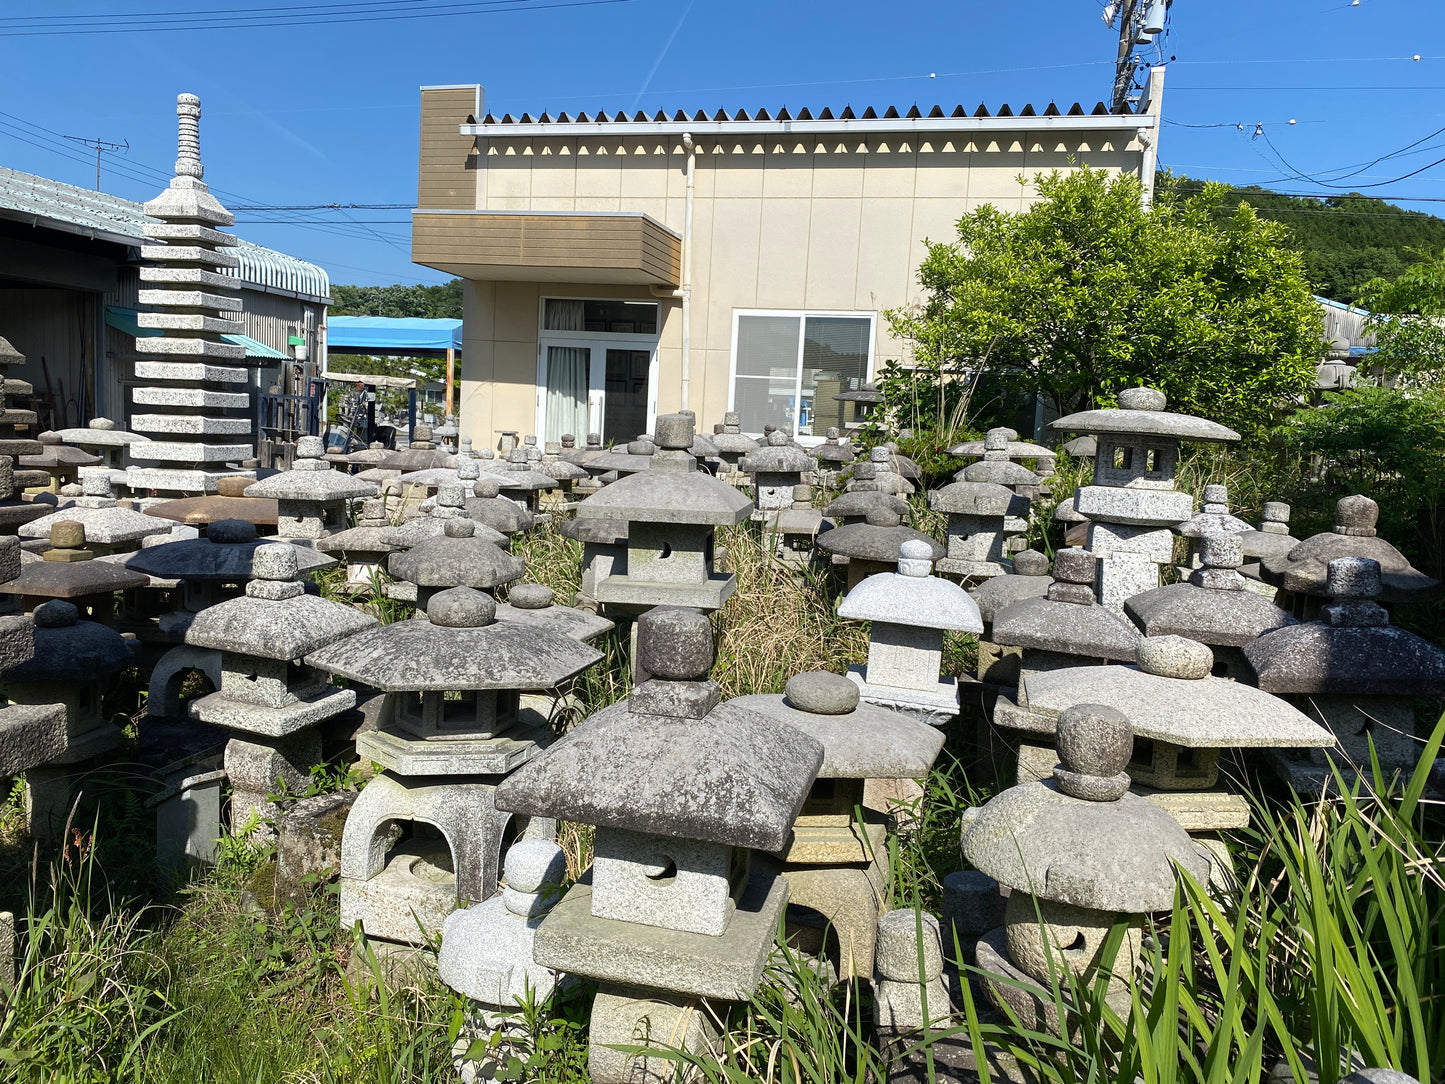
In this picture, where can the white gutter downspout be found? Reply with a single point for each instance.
(687, 268)
(1149, 159)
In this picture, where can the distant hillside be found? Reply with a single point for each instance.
(1345, 240)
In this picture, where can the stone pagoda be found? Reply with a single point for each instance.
(1213, 607)
(1132, 504)
(672, 511)
(837, 861)
(312, 500)
(452, 727)
(1356, 673)
(14, 423)
(191, 401)
(910, 610)
(268, 694)
(776, 469)
(682, 789)
(1077, 851)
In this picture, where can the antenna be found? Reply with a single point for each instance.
(99, 145)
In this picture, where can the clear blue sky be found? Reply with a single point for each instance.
(314, 113)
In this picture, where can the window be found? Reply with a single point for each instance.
(608, 316)
(787, 366)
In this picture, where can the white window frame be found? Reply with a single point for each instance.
(596, 393)
(802, 314)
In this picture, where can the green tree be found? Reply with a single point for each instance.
(399, 300)
(1409, 321)
(1089, 292)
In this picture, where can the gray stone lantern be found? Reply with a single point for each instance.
(488, 507)
(1078, 852)
(910, 610)
(999, 665)
(564, 473)
(68, 570)
(59, 462)
(682, 789)
(865, 400)
(228, 502)
(871, 548)
(71, 666)
(795, 532)
(837, 861)
(1182, 719)
(998, 465)
(268, 693)
(1213, 607)
(1019, 452)
(776, 469)
(1302, 573)
(14, 422)
(102, 439)
(1132, 503)
(854, 505)
(1271, 539)
(364, 546)
(672, 511)
(450, 505)
(452, 726)
(834, 456)
(30, 734)
(533, 605)
(1213, 518)
(604, 548)
(982, 518)
(420, 454)
(887, 478)
(312, 500)
(1356, 673)
(109, 528)
(732, 444)
(461, 555)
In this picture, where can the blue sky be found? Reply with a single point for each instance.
(311, 113)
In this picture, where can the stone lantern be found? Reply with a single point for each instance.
(68, 570)
(776, 468)
(420, 454)
(60, 463)
(460, 556)
(109, 528)
(982, 518)
(1213, 608)
(1302, 573)
(910, 610)
(682, 789)
(228, 502)
(997, 465)
(672, 511)
(1078, 852)
(564, 473)
(30, 734)
(312, 500)
(887, 478)
(1019, 452)
(731, 446)
(268, 693)
(1132, 503)
(1356, 673)
(795, 532)
(71, 667)
(865, 400)
(833, 455)
(364, 546)
(1213, 518)
(837, 861)
(604, 548)
(16, 423)
(999, 665)
(1272, 539)
(871, 548)
(854, 505)
(452, 727)
(488, 507)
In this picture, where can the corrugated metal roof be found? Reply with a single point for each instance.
(41, 201)
(783, 114)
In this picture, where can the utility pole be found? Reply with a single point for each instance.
(100, 145)
(1124, 65)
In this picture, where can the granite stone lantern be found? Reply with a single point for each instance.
(836, 863)
(564, 473)
(1078, 852)
(864, 400)
(910, 610)
(1066, 627)
(871, 548)
(364, 546)
(452, 726)
(59, 461)
(460, 556)
(732, 444)
(1019, 452)
(1214, 607)
(268, 694)
(854, 505)
(887, 478)
(68, 570)
(834, 456)
(488, 507)
(997, 466)
(795, 532)
(72, 664)
(532, 605)
(776, 468)
(312, 500)
(420, 454)
(998, 665)
(30, 734)
(672, 511)
(1183, 718)
(604, 548)
(450, 505)
(1354, 672)
(109, 528)
(682, 789)
(1213, 518)
(1271, 539)
(1302, 573)
(1132, 504)
(982, 518)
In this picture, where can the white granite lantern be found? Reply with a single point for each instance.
(312, 500)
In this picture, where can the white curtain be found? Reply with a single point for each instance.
(566, 391)
(564, 315)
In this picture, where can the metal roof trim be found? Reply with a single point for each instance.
(723, 129)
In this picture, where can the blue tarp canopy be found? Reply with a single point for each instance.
(392, 335)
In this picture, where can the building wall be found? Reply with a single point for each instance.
(779, 223)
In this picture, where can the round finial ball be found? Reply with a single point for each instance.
(487, 488)
(530, 596)
(67, 534)
(1030, 563)
(822, 693)
(1142, 399)
(1356, 511)
(777, 438)
(883, 517)
(309, 448)
(594, 438)
(645, 447)
(915, 549)
(1353, 577)
(569, 440)
(1174, 657)
(56, 614)
(532, 863)
(233, 485)
(274, 561)
(675, 643)
(459, 527)
(102, 423)
(231, 532)
(469, 470)
(461, 608)
(1093, 739)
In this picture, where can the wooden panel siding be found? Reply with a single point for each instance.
(581, 247)
(447, 173)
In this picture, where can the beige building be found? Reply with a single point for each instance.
(620, 267)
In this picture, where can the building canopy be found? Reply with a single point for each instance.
(392, 335)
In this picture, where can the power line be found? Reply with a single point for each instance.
(1298, 175)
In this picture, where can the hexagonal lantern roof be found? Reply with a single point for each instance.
(445, 561)
(212, 559)
(689, 497)
(275, 628)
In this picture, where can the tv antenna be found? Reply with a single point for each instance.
(100, 146)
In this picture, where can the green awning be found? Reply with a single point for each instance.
(125, 320)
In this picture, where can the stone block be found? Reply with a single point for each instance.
(30, 735)
(1154, 543)
(408, 900)
(676, 553)
(909, 947)
(934, 706)
(900, 1005)
(1142, 507)
(1122, 576)
(308, 839)
(972, 905)
(844, 900)
(679, 699)
(675, 884)
(625, 1017)
(904, 656)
